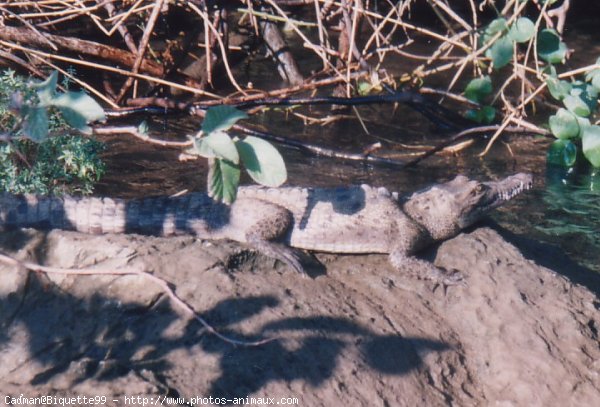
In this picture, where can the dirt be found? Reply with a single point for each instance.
(357, 334)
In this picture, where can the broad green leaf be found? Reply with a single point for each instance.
(563, 153)
(46, 90)
(583, 122)
(488, 114)
(590, 143)
(496, 26)
(584, 89)
(586, 92)
(221, 118)
(484, 115)
(577, 105)
(35, 125)
(218, 144)
(522, 30)
(262, 161)
(550, 47)
(79, 109)
(501, 52)
(223, 180)
(478, 89)
(564, 124)
(558, 88)
(594, 77)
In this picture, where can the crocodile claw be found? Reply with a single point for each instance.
(454, 278)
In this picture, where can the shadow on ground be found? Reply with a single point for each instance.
(107, 339)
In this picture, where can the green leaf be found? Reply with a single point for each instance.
(78, 109)
(594, 77)
(577, 105)
(262, 161)
(586, 92)
(484, 115)
(223, 180)
(478, 89)
(550, 47)
(583, 122)
(35, 125)
(563, 153)
(564, 124)
(558, 88)
(488, 114)
(522, 30)
(217, 144)
(46, 90)
(501, 52)
(221, 118)
(498, 25)
(590, 142)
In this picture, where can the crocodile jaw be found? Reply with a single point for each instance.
(485, 196)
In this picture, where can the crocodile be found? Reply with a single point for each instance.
(279, 221)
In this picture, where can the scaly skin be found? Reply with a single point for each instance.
(356, 219)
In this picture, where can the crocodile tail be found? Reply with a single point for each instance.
(89, 215)
(193, 213)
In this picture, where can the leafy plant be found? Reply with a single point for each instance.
(477, 91)
(262, 161)
(61, 164)
(575, 134)
(570, 125)
(30, 160)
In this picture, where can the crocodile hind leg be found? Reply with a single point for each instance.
(427, 271)
(266, 233)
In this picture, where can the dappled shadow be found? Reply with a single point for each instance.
(344, 200)
(14, 240)
(323, 340)
(107, 339)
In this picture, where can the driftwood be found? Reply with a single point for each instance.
(115, 55)
(278, 49)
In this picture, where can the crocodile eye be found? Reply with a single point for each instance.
(479, 188)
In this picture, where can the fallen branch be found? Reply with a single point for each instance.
(306, 147)
(436, 113)
(319, 150)
(114, 55)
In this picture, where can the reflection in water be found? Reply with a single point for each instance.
(572, 200)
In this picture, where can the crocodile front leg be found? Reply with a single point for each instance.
(267, 233)
(405, 263)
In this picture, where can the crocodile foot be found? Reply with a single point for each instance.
(425, 270)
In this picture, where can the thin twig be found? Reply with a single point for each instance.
(163, 284)
(141, 51)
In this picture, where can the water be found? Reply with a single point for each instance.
(571, 208)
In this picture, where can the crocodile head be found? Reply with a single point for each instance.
(445, 209)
